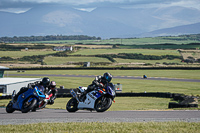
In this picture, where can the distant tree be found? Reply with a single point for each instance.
(49, 38)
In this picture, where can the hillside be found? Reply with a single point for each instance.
(178, 30)
(105, 22)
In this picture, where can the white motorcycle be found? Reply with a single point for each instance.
(98, 99)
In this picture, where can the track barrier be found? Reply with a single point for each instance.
(182, 101)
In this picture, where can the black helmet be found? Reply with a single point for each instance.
(45, 81)
(53, 84)
(107, 76)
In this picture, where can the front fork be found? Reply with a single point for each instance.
(74, 95)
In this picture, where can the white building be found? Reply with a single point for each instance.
(7, 85)
(63, 48)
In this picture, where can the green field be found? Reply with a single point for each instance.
(18, 54)
(156, 62)
(119, 61)
(129, 85)
(116, 51)
(187, 74)
(77, 57)
(125, 41)
(68, 60)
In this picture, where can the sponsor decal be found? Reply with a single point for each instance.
(92, 96)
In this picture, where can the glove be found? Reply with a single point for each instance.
(47, 96)
(101, 85)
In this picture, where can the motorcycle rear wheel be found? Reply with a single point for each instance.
(27, 106)
(9, 108)
(103, 104)
(72, 105)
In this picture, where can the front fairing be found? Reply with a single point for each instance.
(110, 89)
(20, 100)
(89, 102)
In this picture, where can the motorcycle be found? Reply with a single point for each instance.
(99, 99)
(26, 101)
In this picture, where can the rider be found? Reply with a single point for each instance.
(99, 81)
(52, 90)
(43, 85)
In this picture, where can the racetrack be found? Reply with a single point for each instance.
(58, 115)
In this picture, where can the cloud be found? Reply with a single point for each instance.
(87, 2)
(15, 10)
(20, 4)
(187, 3)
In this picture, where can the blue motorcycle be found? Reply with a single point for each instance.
(25, 101)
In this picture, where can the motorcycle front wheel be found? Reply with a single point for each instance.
(102, 104)
(72, 105)
(9, 108)
(27, 106)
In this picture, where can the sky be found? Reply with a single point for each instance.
(20, 6)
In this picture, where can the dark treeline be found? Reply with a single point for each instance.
(4, 47)
(146, 57)
(138, 56)
(161, 46)
(47, 38)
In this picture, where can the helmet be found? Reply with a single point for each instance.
(107, 76)
(45, 81)
(53, 84)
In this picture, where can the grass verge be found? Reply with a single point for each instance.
(125, 103)
(97, 127)
(121, 103)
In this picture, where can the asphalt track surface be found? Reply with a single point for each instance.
(119, 77)
(58, 115)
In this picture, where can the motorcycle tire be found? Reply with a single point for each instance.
(9, 108)
(102, 104)
(72, 105)
(34, 109)
(27, 107)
